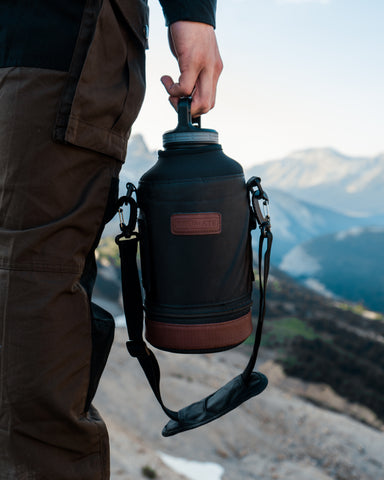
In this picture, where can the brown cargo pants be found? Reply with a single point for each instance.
(55, 197)
(54, 200)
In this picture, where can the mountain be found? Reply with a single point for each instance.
(139, 160)
(296, 221)
(325, 177)
(347, 264)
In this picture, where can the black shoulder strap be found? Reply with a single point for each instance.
(238, 390)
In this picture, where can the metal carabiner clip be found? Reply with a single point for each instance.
(127, 229)
(259, 196)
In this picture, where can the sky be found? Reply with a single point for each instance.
(297, 74)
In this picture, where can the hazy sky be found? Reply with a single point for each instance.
(297, 74)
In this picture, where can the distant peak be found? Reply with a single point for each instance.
(316, 153)
(138, 139)
(137, 146)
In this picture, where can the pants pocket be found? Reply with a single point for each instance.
(103, 330)
(107, 79)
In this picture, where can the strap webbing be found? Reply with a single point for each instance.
(263, 279)
(133, 311)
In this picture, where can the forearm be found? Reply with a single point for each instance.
(193, 42)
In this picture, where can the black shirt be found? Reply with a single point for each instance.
(39, 33)
(43, 33)
(194, 10)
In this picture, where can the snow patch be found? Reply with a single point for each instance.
(353, 232)
(318, 287)
(120, 321)
(356, 231)
(370, 315)
(193, 470)
(299, 263)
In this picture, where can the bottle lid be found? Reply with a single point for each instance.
(188, 131)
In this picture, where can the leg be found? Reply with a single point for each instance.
(53, 200)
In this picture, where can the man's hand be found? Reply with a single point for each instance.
(195, 47)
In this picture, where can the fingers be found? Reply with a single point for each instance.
(199, 83)
(195, 47)
(204, 95)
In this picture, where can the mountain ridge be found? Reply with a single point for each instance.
(349, 264)
(326, 177)
(296, 221)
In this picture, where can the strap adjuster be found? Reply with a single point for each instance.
(137, 348)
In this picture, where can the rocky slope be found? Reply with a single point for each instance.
(277, 435)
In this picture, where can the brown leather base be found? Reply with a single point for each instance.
(198, 338)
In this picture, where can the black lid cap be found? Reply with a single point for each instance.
(186, 133)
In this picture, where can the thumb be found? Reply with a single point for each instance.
(168, 83)
(183, 88)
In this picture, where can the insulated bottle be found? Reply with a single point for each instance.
(195, 246)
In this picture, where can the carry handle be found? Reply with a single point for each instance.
(188, 130)
(185, 121)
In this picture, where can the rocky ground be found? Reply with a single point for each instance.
(278, 435)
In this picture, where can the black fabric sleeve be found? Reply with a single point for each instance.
(203, 11)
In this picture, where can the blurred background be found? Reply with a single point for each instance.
(300, 103)
(297, 74)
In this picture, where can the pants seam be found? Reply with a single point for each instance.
(40, 267)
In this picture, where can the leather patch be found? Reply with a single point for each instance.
(207, 223)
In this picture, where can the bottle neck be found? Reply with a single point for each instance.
(183, 149)
(184, 145)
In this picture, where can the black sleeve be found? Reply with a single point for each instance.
(203, 11)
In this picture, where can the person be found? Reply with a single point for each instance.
(71, 85)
